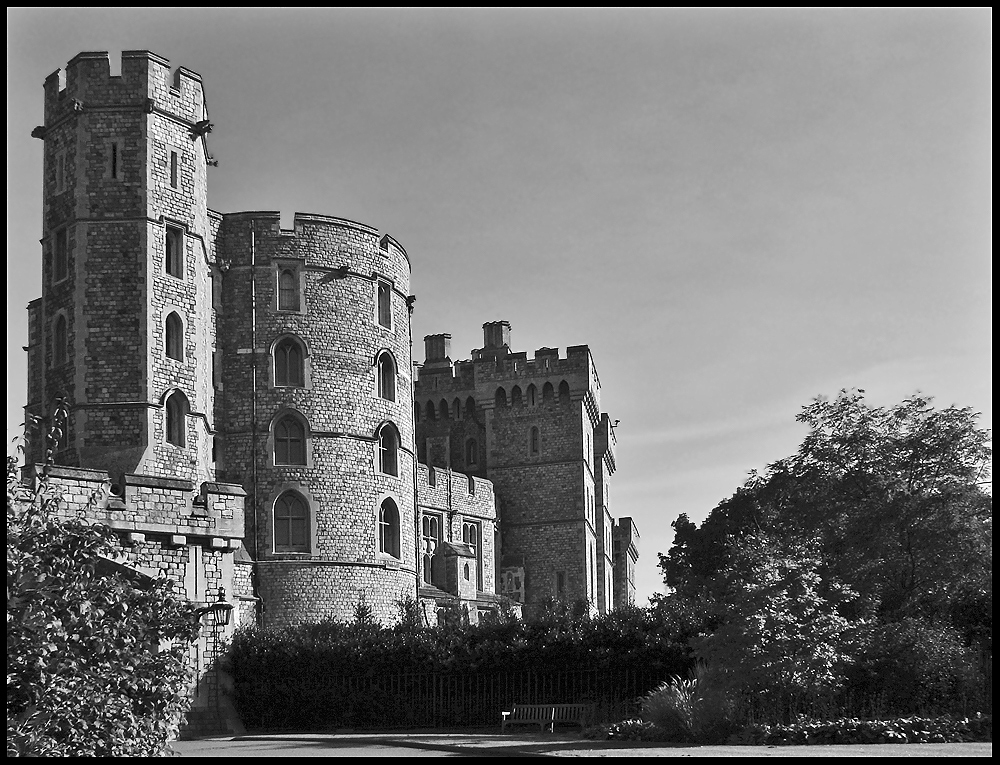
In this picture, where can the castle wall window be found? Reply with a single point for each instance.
(60, 260)
(548, 392)
(176, 414)
(501, 397)
(472, 536)
(60, 168)
(388, 528)
(384, 307)
(430, 526)
(386, 372)
(174, 174)
(291, 523)
(531, 395)
(471, 452)
(289, 298)
(60, 341)
(515, 396)
(289, 364)
(113, 161)
(174, 252)
(431, 413)
(289, 441)
(564, 392)
(443, 408)
(456, 407)
(470, 408)
(534, 441)
(174, 336)
(388, 447)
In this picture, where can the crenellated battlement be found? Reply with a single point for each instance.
(146, 82)
(353, 239)
(489, 370)
(147, 507)
(443, 488)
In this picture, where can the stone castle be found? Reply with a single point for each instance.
(243, 403)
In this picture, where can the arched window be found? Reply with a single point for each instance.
(532, 395)
(501, 397)
(174, 336)
(431, 414)
(386, 376)
(443, 408)
(431, 534)
(471, 534)
(515, 396)
(564, 392)
(59, 341)
(470, 408)
(388, 446)
(388, 528)
(289, 441)
(384, 305)
(288, 290)
(471, 452)
(289, 364)
(548, 392)
(534, 441)
(456, 408)
(291, 523)
(176, 408)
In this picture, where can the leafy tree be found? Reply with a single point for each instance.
(86, 673)
(782, 634)
(898, 498)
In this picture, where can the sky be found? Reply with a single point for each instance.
(737, 210)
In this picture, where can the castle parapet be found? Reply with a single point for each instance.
(148, 506)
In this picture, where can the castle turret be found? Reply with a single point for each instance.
(126, 311)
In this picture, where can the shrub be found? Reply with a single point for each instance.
(86, 675)
(699, 709)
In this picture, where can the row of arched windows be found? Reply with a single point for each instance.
(530, 395)
(442, 410)
(291, 439)
(292, 525)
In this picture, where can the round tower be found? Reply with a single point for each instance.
(316, 412)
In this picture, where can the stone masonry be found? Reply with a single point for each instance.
(242, 407)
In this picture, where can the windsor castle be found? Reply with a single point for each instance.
(243, 405)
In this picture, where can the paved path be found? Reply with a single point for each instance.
(432, 744)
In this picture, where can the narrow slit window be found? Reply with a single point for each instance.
(174, 252)
(60, 264)
(384, 305)
(114, 161)
(173, 170)
(174, 340)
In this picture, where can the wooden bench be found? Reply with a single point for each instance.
(544, 715)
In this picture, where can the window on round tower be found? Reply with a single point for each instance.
(388, 450)
(288, 290)
(289, 441)
(386, 372)
(291, 523)
(289, 364)
(388, 528)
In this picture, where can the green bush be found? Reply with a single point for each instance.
(698, 709)
(907, 730)
(86, 674)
